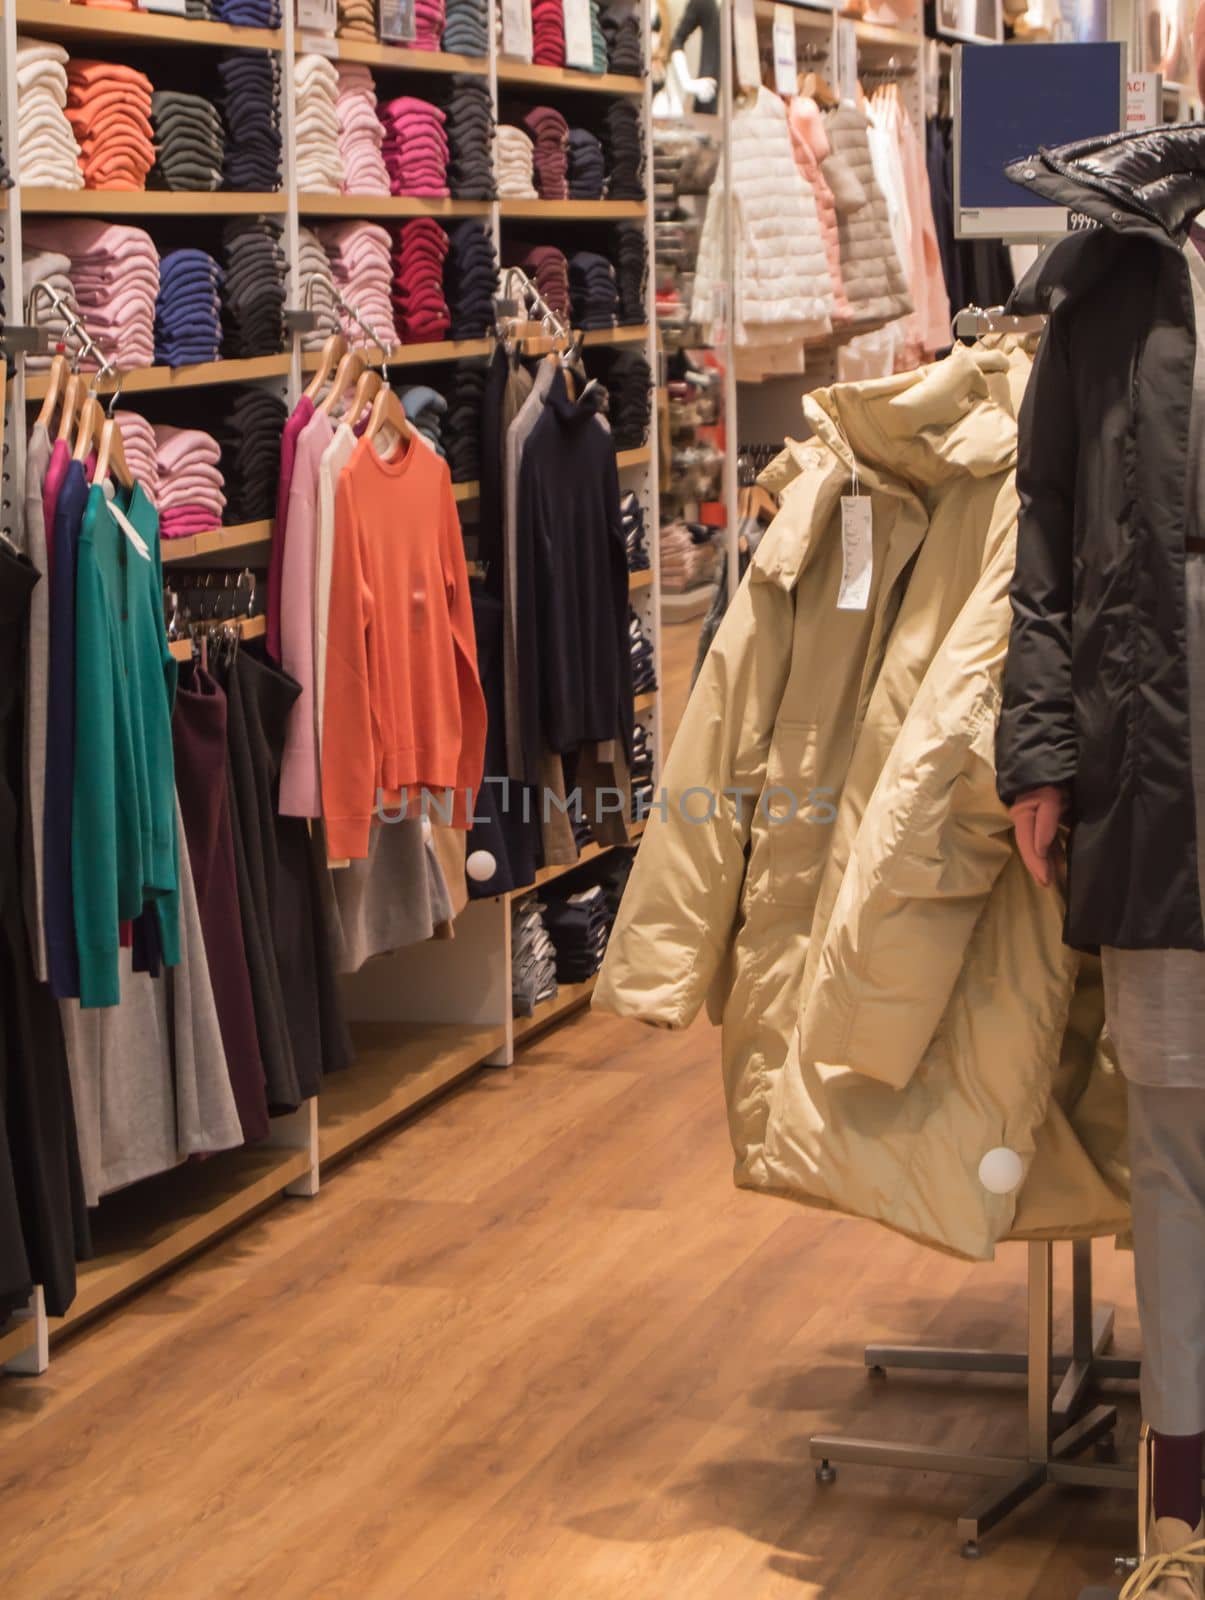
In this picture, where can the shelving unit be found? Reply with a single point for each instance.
(592, 852)
(429, 1015)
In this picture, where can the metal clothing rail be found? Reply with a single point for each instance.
(1060, 1425)
(88, 345)
(507, 305)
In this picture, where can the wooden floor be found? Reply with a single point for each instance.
(535, 1346)
(532, 1345)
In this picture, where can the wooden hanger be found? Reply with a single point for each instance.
(333, 351)
(111, 456)
(60, 376)
(72, 395)
(388, 412)
(366, 392)
(817, 87)
(346, 376)
(90, 418)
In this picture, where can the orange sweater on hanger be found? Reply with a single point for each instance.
(403, 708)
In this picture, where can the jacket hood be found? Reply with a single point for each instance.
(1153, 180)
(919, 428)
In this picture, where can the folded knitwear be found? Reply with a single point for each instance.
(631, 272)
(115, 272)
(360, 254)
(249, 436)
(461, 431)
(190, 141)
(253, 289)
(420, 308)
(548, 33)
(247, 13)
(587, 166)
(429, 19)
(467, 27)
(317, 288)
(48, 155)
(550, 138)
(356, 20)
(621, 28)
(360, 131)
(514, 163)
(109, 108)
(138, 444)
(470, 279)
(188, 310)
(628, 380)
(249, 101)
(425, 407)
(191, 497)
(623, 141)
(594, 293)
(470, 134)
(316, 129)
(548, 269)
(415, 147)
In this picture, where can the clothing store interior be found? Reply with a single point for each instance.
(602, 799)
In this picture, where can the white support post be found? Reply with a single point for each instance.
(299, 1131)
(501, 988)
(292, 228)
(32, 1362)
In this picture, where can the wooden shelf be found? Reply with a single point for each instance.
(52, 18)
(466, 491)
(590, 852)
(414, 355)
(386, 206)
(17, 1339)
(633, 458)
(397, 1067)
(149, 202)
(520, 72)
(390, 56)
(571, 210)
(239, 536)
(141, 1231)
(640, 580)
(806, 18)
(875, 33)
(645, 702)
(142, 379)
(248, 627)
(569, 997)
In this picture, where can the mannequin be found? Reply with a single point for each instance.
(701, 17)
(1102, 726)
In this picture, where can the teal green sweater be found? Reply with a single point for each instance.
(123, 829)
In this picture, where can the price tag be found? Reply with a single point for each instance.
(516, 29)
(847, 62)
(396, 22)
(579, 41)
(748, 55)
(130, 531)
(317, 16)
(319, 44)
(174, 8)
(857, 553)
(786, 62)
(1144, 99)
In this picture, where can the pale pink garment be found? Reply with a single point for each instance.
(810, 145)
(300, 771)
(929, 324)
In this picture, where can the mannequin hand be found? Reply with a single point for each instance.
(1036, 818)
(703, 90)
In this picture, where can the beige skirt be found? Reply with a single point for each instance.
(1155, 999)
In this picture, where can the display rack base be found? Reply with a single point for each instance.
(1060, 1426)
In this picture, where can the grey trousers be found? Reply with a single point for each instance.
(1167, 1154)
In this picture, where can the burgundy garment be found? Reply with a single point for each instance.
(199, 742)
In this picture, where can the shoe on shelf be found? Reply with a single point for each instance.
(1174, 1567)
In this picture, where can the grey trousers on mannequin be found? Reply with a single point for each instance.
(1155, 1003)
(1167, 1152)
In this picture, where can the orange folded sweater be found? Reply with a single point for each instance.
(403, 708)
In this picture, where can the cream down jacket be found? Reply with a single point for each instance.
(782, 291)
(895, 995)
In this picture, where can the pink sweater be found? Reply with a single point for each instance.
(810, 144)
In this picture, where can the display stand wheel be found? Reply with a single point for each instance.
(826, 1473)
(876, 1372)
(971, 1551)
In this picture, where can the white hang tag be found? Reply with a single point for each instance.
(857, 553)
(579, 36)
(517, 29)
(320, 44)
(786, 61)
(748, 52)
(130, 531)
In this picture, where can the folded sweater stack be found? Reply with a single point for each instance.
(191, 489)
(316, 285)
(415, 147)
(249, 435)
(357, 20)
(621, 26)
(52, 269)
(47, 153)
(470, 279)
(115, 274)
(514, 164)
(319, 165)
(430, 18)
(138, 444)
(420, 308)
(467, 27)
(246, 13)
(470, 131)
(547, 268)
(190, 142)
(629, 383)
(594, 293)
(109, 108)
(253, 292)
(362, 270)
(587, 166)
(550, 136)
(360, 132)
(425, 408)
(623, 140)
(631, 271)
(548, 33)
(249, 101)
(461, 430)
(188, 309)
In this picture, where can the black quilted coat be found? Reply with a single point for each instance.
(1096, 682)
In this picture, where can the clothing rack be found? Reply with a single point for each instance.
(88, 346)
(972, 322)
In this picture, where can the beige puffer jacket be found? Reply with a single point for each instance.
(870, 265)
(937, 999)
